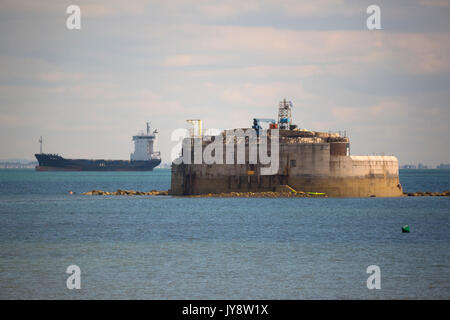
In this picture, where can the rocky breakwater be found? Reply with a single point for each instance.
(262, 194)
(120, 192)
(283, 191)
(446, 193)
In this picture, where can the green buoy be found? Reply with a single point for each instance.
(405, 228)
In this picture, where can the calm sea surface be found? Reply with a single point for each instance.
(150, 247)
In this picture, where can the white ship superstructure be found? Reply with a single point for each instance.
(145, 145)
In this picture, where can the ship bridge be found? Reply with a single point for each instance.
(145, 145)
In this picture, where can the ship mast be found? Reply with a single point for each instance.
(40, 142)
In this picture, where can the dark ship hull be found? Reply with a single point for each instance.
(53, 162)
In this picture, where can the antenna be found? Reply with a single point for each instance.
(284, 114)
(148, 128)
(40, 142)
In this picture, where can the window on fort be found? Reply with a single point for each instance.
(292, 163)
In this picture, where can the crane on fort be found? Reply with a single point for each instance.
(257, 125)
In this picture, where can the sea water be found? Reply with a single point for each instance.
(162, 247)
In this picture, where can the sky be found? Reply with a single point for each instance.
(225, 62)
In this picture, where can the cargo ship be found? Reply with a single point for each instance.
(144, 158)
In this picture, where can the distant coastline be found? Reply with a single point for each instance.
(27, 164)
(17, 164)
(423, 166)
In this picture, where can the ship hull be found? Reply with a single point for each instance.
(50, 162)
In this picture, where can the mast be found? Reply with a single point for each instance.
(197, 130)
(40, 142)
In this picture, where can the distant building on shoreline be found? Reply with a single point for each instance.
(413, 166)
(422, 166)
(408, 166)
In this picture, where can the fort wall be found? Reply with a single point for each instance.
(315, 166)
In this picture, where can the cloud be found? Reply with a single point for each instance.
(411, 53)
(435, 3)
(220, 8)
(62, 76)
(317, 8)
(256, 94)
(13, 121)
(29, 5)
(419, 53)
(230, 8)
(113, 8)
(384, 109)
(185, 60)
(98, 9)
(262, 71)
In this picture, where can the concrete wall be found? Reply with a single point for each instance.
(305, 167)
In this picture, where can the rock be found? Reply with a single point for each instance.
(121, 192)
